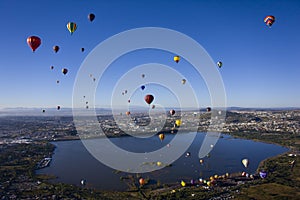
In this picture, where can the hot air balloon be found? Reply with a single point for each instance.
(178, 122)
(142, 181)
(161, 136)
(245, 162)
(183, 184)
(142, 87)
(143, 75)
(91, 17)
(176, 59)
(64, 71)
(128, 100)
(43, 111)
(128, 113)
(153, 106)
(82, 182)
(125, 91)
(188, 154)
(219, 64)
(149, 98)
(263, 174)
(55, 49)
(52, 67)
(183, 81)
(208, 109)
(58, 107)
(172, 112)
(269, 20)
(82, 49)
(72, 27)
(201, 161)
(57, 81)
(34, 42)
(158, 163)
(94, 79)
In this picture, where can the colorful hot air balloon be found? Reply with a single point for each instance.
(172, 112)
(183, 184)
(142, 181)
(128, 113)
(161, 136)
(55, 49)
(72, 27)
(149, 98)
(183, 81)
(176, 59)
(219, 64)
(245, 162)
(269, 20)
(64, 71)
(33, 42)
(91, 17)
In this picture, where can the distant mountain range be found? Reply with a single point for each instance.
(69, 111)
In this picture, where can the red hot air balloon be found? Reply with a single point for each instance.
(55, 49)
(149, 98)
(33, 42)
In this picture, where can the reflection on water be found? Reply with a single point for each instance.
(72, 162)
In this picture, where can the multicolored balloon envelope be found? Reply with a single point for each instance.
(263, 174)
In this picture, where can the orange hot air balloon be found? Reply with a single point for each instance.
(128, 113)
(161, 136)
(142, 181)
(149, 98)
(55, 49)
(33, 42)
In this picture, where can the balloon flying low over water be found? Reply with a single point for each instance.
(269, 20)
(91, 17)
(72, 27)
(245, 162)
(34, 42)
(64, 71)
(149, 98)
(55, 49)
(161, 136)
(176, 59)
(219, 64)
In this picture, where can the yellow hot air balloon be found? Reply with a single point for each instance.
(201, 161)
(183, 81)
(158, 163)
(178, 122)
(161, 136)
(245, 162)
(176, 59)
(183, 184)
(208, 183)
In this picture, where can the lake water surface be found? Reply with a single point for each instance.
(72, 162)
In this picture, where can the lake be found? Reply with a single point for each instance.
(72, 162)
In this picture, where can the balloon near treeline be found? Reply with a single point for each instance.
(34, 42)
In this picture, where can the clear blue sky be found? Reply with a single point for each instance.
(260, 64)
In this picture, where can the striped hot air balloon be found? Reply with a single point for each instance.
(72, 27)
(269, 20)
